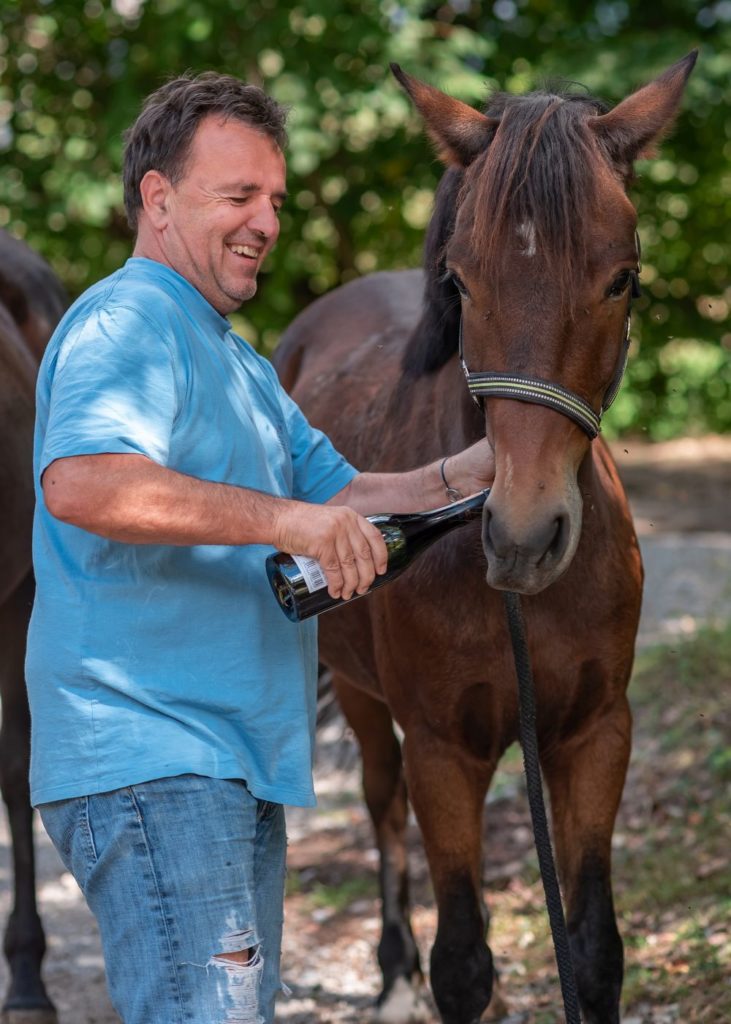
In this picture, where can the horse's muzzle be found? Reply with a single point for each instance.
(529, 557)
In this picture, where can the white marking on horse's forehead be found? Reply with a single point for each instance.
(527, 235)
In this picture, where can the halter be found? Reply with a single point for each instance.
(483, 384)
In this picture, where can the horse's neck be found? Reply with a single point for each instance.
(433, 414)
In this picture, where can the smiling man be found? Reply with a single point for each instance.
(172, 702)
(217, 224)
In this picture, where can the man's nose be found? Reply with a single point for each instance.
(263, 219)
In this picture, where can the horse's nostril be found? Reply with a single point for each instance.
(560, 538)
(542, 541)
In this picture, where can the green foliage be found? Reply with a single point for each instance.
(362, 175)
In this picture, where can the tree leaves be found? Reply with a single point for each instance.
(74, 75)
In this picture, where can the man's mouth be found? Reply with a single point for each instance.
(247, 251)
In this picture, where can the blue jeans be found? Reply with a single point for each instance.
(179, 873)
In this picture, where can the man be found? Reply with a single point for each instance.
(172, 701)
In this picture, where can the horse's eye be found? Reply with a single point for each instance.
(459, 284)
(620, 284)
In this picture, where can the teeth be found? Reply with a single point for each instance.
(244, 250)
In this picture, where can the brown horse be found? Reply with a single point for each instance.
(530, 260)
(31, 303)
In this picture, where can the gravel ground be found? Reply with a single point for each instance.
(688, 585)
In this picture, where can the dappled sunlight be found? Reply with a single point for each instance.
(74, 73)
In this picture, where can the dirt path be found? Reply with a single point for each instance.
(680, 495)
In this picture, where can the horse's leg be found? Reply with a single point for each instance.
(447, 788)
(24, 943)
(585, 777)
(385, 795)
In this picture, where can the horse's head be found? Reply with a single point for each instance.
(531, 261)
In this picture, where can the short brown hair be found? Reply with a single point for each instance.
(161, 137)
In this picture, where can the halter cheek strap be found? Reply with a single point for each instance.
(517, 386)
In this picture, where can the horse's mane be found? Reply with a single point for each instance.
(539, 169)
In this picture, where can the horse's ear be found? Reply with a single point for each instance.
(459, 132)
(633, 127)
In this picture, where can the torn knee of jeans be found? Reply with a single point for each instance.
(241, 964)
(239, 957)
(238, 949)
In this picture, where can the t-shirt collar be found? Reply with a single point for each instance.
(190, 295)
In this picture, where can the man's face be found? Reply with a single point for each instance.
(223, 214)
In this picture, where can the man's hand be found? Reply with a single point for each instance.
(349, 548)
(472, 469)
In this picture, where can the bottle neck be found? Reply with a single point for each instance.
(419, 528)
(454, 514)
(463, 510)
(459, 511)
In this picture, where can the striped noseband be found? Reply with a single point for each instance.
(483, 384)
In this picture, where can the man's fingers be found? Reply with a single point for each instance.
(366, 557)
(349, 548)
(376, 546)
(349, 567)
(365, 563)
(361, 554)
(334, 576)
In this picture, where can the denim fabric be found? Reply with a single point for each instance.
(179, 872)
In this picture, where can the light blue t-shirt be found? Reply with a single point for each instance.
(151, 660)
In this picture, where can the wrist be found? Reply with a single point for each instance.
(453, 493)
(283, 526)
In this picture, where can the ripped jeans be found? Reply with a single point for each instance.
(180, 874)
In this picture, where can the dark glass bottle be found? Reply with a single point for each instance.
(300, 586)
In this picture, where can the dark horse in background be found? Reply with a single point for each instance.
(31, 304)
(530, 256)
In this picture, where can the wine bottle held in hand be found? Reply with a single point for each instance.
(300, 585)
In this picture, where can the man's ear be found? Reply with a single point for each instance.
(154, 191)
(636, 124)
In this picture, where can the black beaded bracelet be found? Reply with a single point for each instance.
(452, 493)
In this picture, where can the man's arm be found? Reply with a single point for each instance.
(130, 498)
(468, 471)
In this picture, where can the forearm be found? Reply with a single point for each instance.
(369, 493)
(131, 499)
(465, 472)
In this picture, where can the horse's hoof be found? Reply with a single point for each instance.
(403, 1005)
(44, 1016)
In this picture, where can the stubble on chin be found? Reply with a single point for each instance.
(233, 298)
(246, 292)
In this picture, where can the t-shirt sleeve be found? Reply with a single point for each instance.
(319, 470)
(113, 390)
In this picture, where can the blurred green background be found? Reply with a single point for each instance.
(73, 75)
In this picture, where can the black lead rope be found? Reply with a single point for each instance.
(532, 766)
